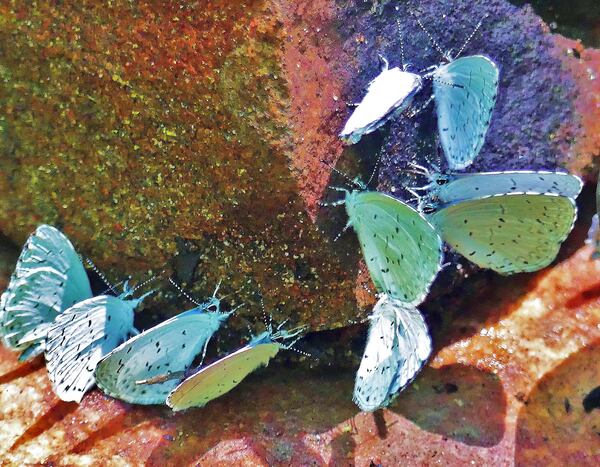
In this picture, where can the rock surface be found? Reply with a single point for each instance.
(505, 386)
(190, 138)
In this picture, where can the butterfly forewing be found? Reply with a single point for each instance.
(387, 95)
(80, 337)
(221, 376)
(397, 347)
(508, 233)
(401, 248)
(465, 94)
(169, 347)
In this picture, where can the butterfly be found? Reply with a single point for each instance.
(401, 248)
(83, 334)
(464, 90)
(168, 347)
(449, 188)
(388, 95)
(48, 278)
(220, 377)
(398, 345)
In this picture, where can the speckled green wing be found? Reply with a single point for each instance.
(401, 248)
(508, 233)
(221, 377)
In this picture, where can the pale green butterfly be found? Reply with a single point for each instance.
(508, 233)
(220, 377)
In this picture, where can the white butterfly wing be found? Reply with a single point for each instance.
(397, 347)
(387, 95)
(80, 337)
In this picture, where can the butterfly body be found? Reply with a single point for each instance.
(398, 345)
(169, 347)
(48, 278)
(387, 95)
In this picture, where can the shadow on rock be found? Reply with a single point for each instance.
(456, 401)
(554, 426)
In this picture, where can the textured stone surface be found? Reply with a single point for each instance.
(160, 129)
(151, 130)
(505, 385)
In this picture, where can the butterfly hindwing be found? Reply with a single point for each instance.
(387, 95)
(80, 337)
(465, 94)
(48, 279)
(169, 347)
(401, 248)
(510, 233)
(397, 347)
(221, 376)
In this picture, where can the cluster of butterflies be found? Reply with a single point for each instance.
(509, 222)
(48, 308)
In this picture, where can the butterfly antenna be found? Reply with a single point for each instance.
(436, 46)
(346, 227)
(460, 51)
(183, 292)
(102, 276)
(153, 278)
(379, 154)
(232, 312)
(346, 177)
(399, 29)
(301, 352)
(217, 288)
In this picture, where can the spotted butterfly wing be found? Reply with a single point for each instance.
(401, 248)
(465, 94)
(452, 188)
(397, 347)
(223, 375)
(80, 337)
(48, 278)
(169, 347)
(387, 95)
(510, 233)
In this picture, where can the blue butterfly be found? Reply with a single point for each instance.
(49, 278)
(169, 347)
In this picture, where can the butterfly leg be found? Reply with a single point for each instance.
(384, 63)
(420, 109)
(343, 231)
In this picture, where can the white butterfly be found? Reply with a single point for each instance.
(82, 335)
(397, 347)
